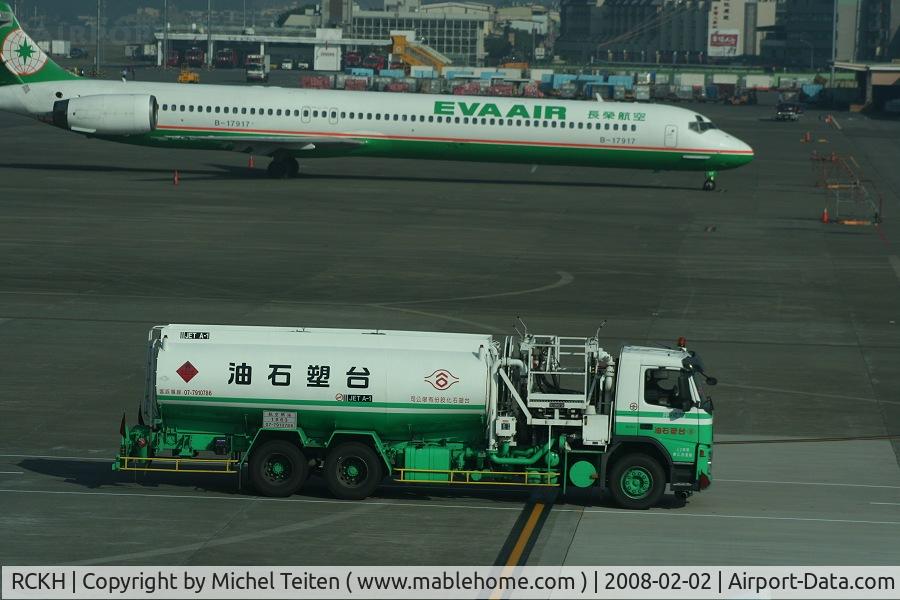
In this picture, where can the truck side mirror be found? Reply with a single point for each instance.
(711, 381)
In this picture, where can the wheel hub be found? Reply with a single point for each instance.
(352, 471)
(277, 468)
(636, 482)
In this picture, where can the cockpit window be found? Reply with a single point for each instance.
(701, 126)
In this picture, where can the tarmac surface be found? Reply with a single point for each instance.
(797, 319)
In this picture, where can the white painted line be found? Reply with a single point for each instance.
(107, 459)
(565, 279)
(859, 485)
(12, 472)
(517, 508)
(895, 263)
(886, 503)
(670, 513)
(667, 513)
(802, 392)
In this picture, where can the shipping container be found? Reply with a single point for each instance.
(727, 78)
(758, 82)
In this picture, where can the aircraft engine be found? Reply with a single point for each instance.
(107, 114)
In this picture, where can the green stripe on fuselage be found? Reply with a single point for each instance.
(499, 152)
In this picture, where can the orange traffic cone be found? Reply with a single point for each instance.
(825, 218)
(251, 163)
(176, 179)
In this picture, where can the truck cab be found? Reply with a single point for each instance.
(662, 411)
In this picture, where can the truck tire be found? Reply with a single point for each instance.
(278, 468)
(637, 481)
(352, 471)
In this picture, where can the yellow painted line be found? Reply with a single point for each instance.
(519, 548)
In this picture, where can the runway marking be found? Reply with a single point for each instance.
(432, 315)
(859, 485)
(215, 540)
(622, 512)
(525, 535)
(12, 472)
(803, 393)
(564, 280)
(88, 458)
(257, 499)
(886, 503)
(895, 263)
(743, 517)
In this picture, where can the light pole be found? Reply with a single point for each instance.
(834, 34)
(245, 17)
(165, 56)
(209, 42)
(811, 53)
(97, 58)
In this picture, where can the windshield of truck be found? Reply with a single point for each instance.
(705, 399)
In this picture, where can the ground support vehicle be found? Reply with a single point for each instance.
(461, 409)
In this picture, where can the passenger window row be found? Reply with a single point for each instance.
(368, 116)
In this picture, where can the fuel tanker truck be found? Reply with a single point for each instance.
(275, 404)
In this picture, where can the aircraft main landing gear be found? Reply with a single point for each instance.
(283, 167)
(710, 183)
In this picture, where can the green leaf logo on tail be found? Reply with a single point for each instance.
(20, 55)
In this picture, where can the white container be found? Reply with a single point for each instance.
(725, 78)
(61, 48)
(422, 72)
(327, 59)
(691, 79)
(758, 82)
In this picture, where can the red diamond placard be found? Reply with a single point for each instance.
(187, 371)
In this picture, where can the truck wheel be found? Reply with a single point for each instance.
(637, 481)
(278, 468)
(352, 471)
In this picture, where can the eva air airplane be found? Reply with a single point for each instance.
(287, 124)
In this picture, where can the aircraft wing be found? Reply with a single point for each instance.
(270, 144)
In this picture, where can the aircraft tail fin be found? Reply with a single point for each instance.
(22, 59)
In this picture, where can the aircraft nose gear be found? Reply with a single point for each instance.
(283, 167)
(710, 183)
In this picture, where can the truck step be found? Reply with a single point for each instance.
(225, 466)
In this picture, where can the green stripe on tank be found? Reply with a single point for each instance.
(328, 403)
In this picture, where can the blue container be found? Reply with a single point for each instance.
(361, 72)
(712, 92)
(559, 80)
(811, 90)
(392, 73)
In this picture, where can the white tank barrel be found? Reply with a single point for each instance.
(399, 384)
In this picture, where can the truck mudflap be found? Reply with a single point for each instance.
(682, 477)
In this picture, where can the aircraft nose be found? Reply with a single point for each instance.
(738, 149)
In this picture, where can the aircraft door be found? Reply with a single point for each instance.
(671, 136)
(304, 114)
(333, 116)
